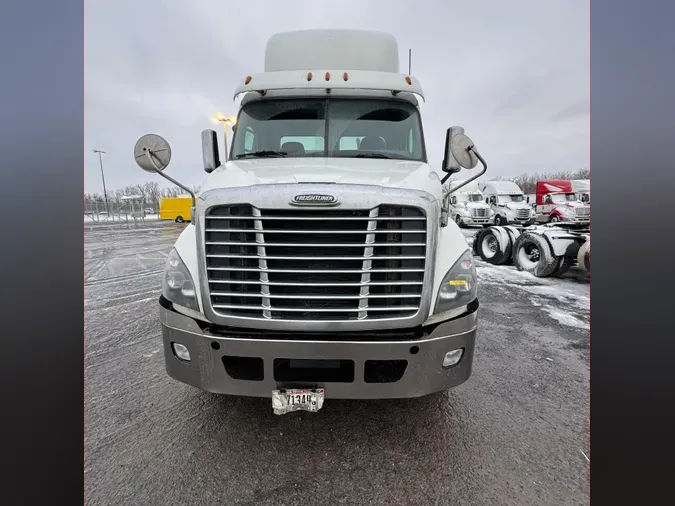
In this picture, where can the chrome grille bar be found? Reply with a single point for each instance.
(262, 263)
(367, 265)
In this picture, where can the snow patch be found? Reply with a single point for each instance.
(565, 318)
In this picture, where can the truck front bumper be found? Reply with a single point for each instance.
(254, 367)
(527, 222)
(474, 221)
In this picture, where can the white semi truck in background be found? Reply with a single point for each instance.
(467, 206)
(320, 261)
(508, 203)
(582, 189)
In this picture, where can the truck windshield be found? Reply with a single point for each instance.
(505, 199)
(349, 128)
(475, 197)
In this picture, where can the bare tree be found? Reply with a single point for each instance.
(152, 192)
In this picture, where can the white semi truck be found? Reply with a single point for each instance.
(508, 203)
(320, 261)
(467, 206)
(582, 189)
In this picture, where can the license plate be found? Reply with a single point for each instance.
(287, 401)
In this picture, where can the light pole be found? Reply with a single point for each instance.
(220, 118)
(105, 193)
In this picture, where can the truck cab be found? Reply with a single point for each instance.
(467, 206)
(508, 203)
(582, 189)
(320, 261)
(558, 202)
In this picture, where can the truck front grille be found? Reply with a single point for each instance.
(479, 213)
(522, 214)
(315, 264)
(583, 211)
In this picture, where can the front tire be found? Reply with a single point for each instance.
(499, 221)
(554, 219)
(494, 246)
(458, 220)
(534, 255)
(179, 219)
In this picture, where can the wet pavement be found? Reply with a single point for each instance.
(517, 432)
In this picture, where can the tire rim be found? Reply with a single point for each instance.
(529, 255)
(498, 220)
(489, 246)
(555, 219)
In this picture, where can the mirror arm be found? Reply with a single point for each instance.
(480, 159)
(149, 152)
(448, 175)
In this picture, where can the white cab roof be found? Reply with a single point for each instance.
(323, 60)
(472, 187)
(501, 188)
(332, 49)
(581, 185)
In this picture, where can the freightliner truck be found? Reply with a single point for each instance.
(320, 261)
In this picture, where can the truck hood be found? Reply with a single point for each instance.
(514, 206)
(356, 171)
(570, 206)
(477, 205)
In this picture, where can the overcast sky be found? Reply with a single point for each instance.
(514, 74)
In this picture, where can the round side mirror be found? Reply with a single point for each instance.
(459, 147)
(152, 153)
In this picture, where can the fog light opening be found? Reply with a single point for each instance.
(181, 352)
(215, 345)
(452, 357)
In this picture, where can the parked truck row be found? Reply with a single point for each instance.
(504, 203)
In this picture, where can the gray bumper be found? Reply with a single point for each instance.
(529, 221)
(475, 221)
(423, 373)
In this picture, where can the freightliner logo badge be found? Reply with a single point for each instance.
(314, 199)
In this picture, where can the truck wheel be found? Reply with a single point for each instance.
(584, 256)
(476, 241)
(494, 246)
(179, 219)
(533, 254)
(554, 219)
(499, 221)
(564, 265)
(458, 220)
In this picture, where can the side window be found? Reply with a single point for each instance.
(249, 138)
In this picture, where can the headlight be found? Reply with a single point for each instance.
(178, 286)
(459, 286)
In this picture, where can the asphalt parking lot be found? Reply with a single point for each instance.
(516, 433)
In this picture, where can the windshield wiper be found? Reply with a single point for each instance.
(372, 155)
(262, 154)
